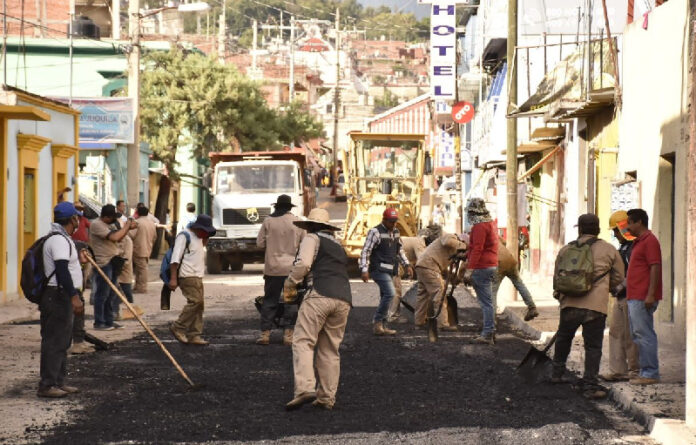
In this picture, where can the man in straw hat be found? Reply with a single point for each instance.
(323, 315)
(187, 271)
(280, 238)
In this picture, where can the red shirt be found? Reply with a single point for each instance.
(646, 252)
(82, 232)
(483, 248)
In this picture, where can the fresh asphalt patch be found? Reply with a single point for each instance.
(392, 389)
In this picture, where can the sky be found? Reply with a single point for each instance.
(407, 5)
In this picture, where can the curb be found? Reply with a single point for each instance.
(624, 401)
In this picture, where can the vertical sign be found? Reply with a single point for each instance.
(443, 54)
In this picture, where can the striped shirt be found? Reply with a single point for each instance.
(373, 239)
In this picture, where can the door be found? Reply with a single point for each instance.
(29, 220)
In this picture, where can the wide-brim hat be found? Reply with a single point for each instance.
(316, 217)
(203, 222)
(477, 205)
(284, 201)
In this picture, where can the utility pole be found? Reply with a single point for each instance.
(222, 32)
(253, 46)
(4, 42)
(115, 19)
(691, 240)
(337, 103)
(291, 89)
(133, 189)
(511, 160)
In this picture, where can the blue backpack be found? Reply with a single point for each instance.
(165, 272)
(33, 279)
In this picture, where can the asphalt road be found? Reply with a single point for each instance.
(401, 389)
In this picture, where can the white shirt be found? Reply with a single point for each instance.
(57, 248)
(186, 220)
(192, 259)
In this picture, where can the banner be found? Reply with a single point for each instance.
(104, 119)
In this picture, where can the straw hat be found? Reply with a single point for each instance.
(317, 217)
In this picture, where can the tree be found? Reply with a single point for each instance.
(296, 124)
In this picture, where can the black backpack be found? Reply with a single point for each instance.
(33, 280)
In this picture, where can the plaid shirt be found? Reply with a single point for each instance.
(373, 239)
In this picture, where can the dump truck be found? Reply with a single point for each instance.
(244, 187)
(382, 171)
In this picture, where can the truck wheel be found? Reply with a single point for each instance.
(236, 265)
(213, 263)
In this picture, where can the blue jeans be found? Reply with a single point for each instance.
(644, 336)
(104, 297)
(385, 281)
(482, 280)
(517, 282)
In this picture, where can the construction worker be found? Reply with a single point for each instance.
(281, 238)
(507, 267)
(431, 269)
(323, 315)
(379, 260)
(623, 353)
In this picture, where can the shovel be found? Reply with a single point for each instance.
(535, 367)
(410, 297)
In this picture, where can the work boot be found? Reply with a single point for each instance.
(643, 381)
(485, 339)
(322, 405)
(52, 392)
(70, 389)
(386, 330)
(300, 400)
(448, 328)
(531, 314)
(80, 348)
(287, 336)
(198, 341)
(614, 377)
(178, 334)
(264, 339)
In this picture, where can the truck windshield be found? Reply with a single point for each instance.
(388, 158)
(256, 179)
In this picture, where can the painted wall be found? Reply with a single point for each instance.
(55, 129)
(654, 132)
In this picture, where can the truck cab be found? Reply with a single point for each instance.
(244, 188)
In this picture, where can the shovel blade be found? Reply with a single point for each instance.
(535, 367)
(408, 300)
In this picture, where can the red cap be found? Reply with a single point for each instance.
(390, 214)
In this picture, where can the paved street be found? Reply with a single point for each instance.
(392, 389)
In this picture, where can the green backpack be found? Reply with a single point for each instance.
(575, 270)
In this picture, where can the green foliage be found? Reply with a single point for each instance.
(296, 124)
(352, 13)
(387, 101)
(191, 99)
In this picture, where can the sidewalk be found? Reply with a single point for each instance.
(659, 407)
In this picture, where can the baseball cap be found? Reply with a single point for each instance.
(64, 210)
(390, 215)
(588, 221)
(109, 210)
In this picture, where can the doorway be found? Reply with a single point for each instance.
(29, 204)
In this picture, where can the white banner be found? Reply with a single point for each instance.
(443, 51)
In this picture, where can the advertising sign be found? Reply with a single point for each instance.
(104, 119)
(463, 112)
(443, 55)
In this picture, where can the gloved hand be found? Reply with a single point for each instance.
(467, 276)
(289, 291)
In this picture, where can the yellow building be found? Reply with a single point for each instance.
(38, 160)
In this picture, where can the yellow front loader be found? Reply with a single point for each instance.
(381, 171)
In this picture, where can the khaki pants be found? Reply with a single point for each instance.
(321, 323)
(140, 270)
(623, 353)
(430, 288)
(191, 318)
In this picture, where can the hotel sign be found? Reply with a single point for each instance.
(443, 50)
